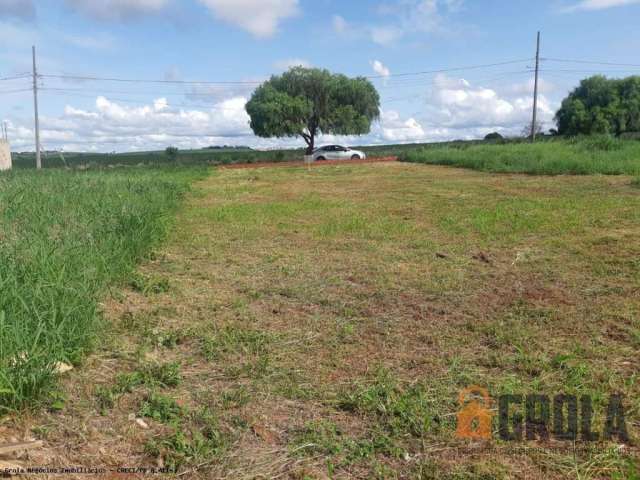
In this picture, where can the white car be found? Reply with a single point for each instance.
(337, 152)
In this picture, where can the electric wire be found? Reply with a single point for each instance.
(590, 62)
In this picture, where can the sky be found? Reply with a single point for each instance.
(445, 69)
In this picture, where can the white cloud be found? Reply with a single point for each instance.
(113, 126)
(402, 18)
(599, 4)
(455, 103)
(118, 9)
(394, 129)
(259, 17)
(286, 64)
(23, 9)
(526, 88)
(110, 125)
(379, 68)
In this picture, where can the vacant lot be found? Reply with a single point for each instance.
(321, 324)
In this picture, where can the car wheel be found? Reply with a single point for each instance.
(320, 159)
(355, 157)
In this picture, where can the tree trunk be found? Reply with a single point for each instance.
(310, 148)
(310, 139)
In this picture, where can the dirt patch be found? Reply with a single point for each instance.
(324, 163)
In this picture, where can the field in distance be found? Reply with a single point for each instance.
(550, 156)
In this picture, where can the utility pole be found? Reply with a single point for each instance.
(534, 124)
(35, 108)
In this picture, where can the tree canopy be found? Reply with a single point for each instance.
(306, 102)
(171, 153)
(601, 105)
(493, 136)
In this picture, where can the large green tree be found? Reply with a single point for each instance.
(306, 102)
(601, 105)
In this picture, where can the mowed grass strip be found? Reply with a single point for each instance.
(579, 156)
(64, 237)
(387, 289)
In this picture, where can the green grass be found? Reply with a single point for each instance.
(205, 156)
(185, 157)
(581, 156)
(64, 238)
(195, 437)
(325, 322)
(400, 411)
(160, 408)
(234, 340)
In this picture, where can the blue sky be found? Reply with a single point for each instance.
(246, 41)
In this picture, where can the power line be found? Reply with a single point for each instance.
(15, 77)
(433, 82)
(209, 82)
(138, 102)
(129, 92)
(83, 93)
(2, 92)
(589, 62)
(445, 70)
(132, 80)
(600, 72)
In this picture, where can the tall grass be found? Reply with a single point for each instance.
(64, 237)
(579, 156)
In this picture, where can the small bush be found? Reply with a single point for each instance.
(171, 153)
(325, 438)
(235, 340)
(161, 408)
(603, 143)
(630, 136)
(164, 375)
(196, 438)
(399, 410)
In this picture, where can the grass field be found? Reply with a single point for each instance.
(64, 238)
(321, 325)
(206, 156)
(580, 156)
(550, 156)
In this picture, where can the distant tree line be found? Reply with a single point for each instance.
(601, 105)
